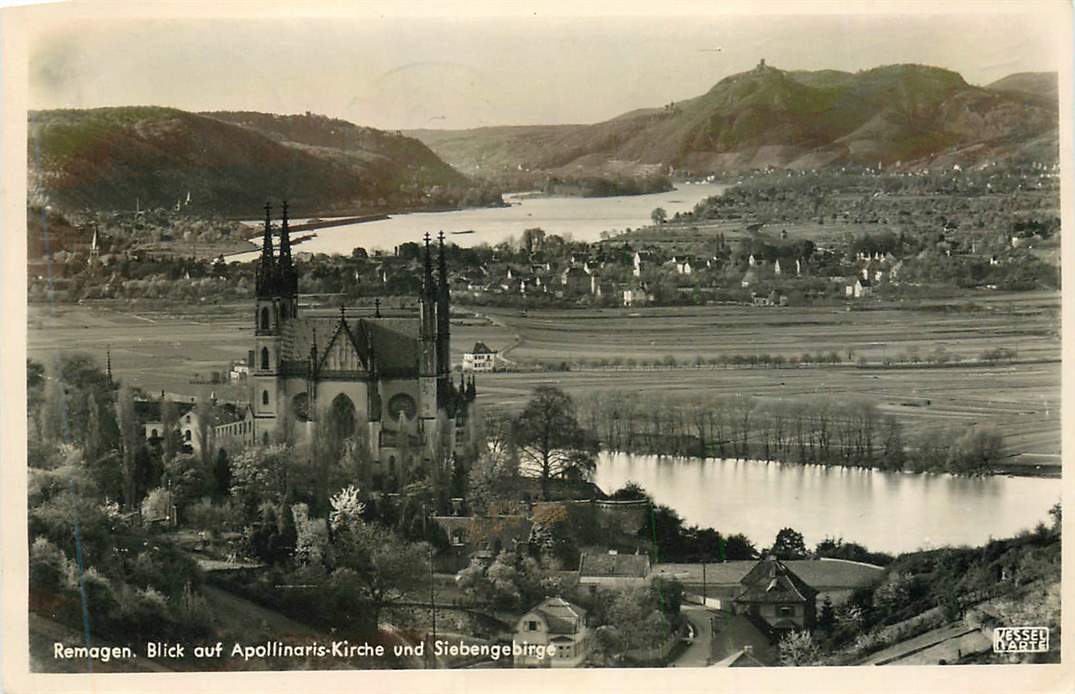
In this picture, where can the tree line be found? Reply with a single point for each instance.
(850, 433)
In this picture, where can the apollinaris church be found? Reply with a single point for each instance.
(390, 374)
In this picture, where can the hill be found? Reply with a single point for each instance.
(1043, 84)
(229, 163)
(906, 114)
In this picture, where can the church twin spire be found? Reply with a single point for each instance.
(276, 275)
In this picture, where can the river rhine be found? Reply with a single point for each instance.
(582, 219)
(889, 512)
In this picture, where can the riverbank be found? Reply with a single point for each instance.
(862, 506)
(1043, 471)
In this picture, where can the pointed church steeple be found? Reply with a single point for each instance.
(288, 276)
(266, 273)
(428, 287)
(285, 239)
(444, 356)
(442, 264)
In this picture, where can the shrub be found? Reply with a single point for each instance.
(101, 600)
(48, 566)
(145, 613)
(205, 515)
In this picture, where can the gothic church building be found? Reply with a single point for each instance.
(388, 375)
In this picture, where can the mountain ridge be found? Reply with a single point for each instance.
(907, 114)
(115, 158)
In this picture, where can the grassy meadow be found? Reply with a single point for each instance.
(163, 350)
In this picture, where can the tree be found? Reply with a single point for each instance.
(798, 648)
(265, 475)
(54, 410)
(503, 579)
(379, 566)
(1056, 513)
(221, 474)
(347, 507)
(131, 436)
(826, 619)
(474, 584)
(976, 451)
(659, 215)
(789, 544)
(739, 547)
(93, 446)
(637, 615)
(551, 442)
(630, 491)
(664, 528)
(533, 239)
(206, 420)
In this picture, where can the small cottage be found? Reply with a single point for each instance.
(559, 623)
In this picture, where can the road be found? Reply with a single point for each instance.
(698, 654)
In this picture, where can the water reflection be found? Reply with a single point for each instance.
(891, 512)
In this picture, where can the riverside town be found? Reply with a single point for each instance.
(758, 366)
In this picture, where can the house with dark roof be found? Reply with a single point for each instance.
(613, 570)
(574, 280)
(485, 536)
(555, 622)
(775, 595)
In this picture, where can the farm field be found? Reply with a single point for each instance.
(1021, 401)
(159, 350)
(1027, 323)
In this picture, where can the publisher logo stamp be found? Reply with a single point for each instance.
(1021, 639)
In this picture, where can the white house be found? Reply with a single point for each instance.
(149, 413)
(555, 622)
(240, 371)
(480, 358)
(635, 296)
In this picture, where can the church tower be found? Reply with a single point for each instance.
(427, 348)
(444, 352)
(277, 298)
(287, 275)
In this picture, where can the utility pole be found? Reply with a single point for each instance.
(433, 607)
(703, 583)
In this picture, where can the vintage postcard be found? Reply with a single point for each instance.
(537, 346)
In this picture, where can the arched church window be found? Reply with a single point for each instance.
(341, 417)
(154, 434)
(186, 434)
(264, 397)
(265, 318)
(265, 357)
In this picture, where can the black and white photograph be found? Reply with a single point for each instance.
(492, 338)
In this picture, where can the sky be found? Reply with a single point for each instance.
(471, 70)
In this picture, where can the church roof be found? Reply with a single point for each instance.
(392, 342)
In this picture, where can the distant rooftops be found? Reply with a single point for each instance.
(594, 565)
